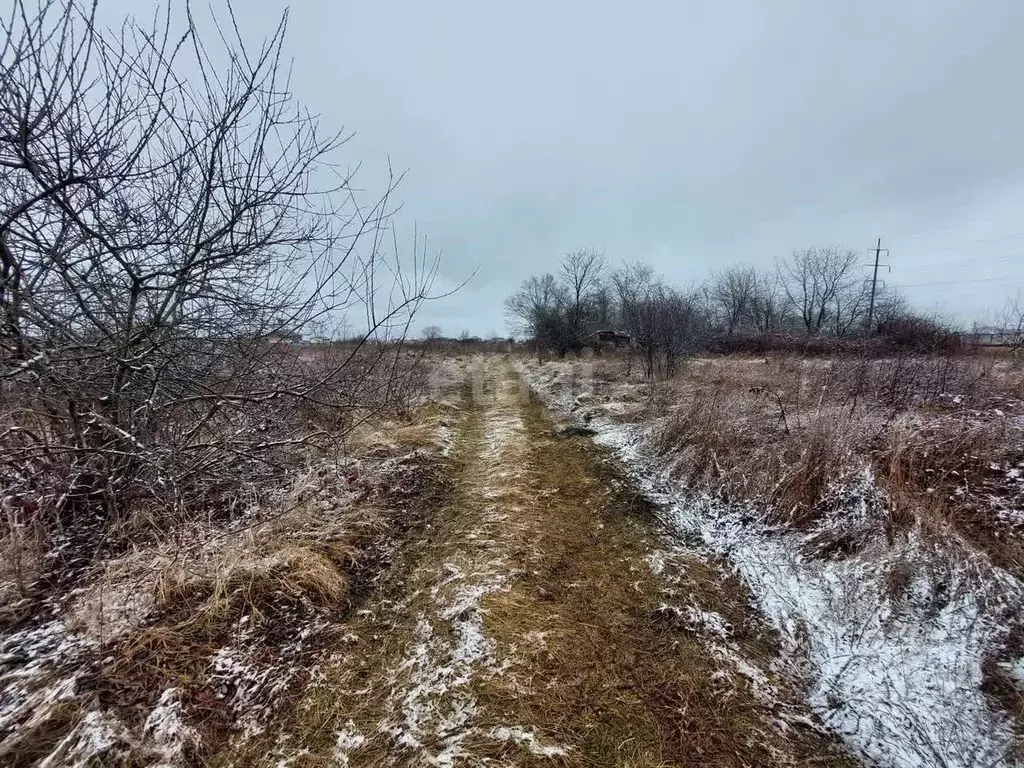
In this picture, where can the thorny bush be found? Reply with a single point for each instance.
(165, 238)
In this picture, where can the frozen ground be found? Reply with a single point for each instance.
(898, 673)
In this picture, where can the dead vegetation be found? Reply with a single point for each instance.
(617, 648)
(885, 489)
(538, 622)
(192, 495)
(938, 435)
(229, 616)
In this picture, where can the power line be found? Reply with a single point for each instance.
(959, 281)
(945, 233)
(936, 283)
(966, 260)
(959, 245)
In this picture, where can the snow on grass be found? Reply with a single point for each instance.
(526, 739)
(254, 683)
(900, 678)
(39, 670)
(348, 740)
(438, 706)
(656, 560)
(445, 439)
(108, 610)
(167, 731)
(94, 738)
(435, 702)
(901, 682)
(709, 622)
(252, 689)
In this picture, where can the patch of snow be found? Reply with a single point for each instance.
(709, 622)
(903, 684)
(527, 740)
(441, 666)
(108, 610)
(94, 738)
(445, 439)
(349, 739)
(167, 731)
(656, 560)
(252, 689)
(900, 680)
(39, 669)
(853, 514)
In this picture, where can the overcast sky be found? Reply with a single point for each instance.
(690, 135)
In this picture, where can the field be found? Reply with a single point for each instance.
(258, 509)
(762, 561)
(872, 507)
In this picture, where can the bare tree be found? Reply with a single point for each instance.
(601, 311)
(581, 277)
(732, 293)
(1013, 321)
(530, 309)
(558, 312)
(164, 241)
(432, 333)
(814, 279)
(769, 308)
(664, 323)
(849, 308)
(630, 283)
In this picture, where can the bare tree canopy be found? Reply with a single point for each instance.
(733, 292)
(160, 236)
(769, 309)
(814, 279)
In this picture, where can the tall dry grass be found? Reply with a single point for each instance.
(784, 432)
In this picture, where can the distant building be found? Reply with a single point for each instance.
(284, 337)
(995, 337)
(602, 340)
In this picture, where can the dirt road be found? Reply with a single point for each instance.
(535, 617)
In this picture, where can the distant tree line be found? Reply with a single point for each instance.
(814, 292)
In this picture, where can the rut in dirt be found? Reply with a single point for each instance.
(539, 622)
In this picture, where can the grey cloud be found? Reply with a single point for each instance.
(688, 134)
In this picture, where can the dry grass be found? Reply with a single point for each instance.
(784, 433)
(610, 675)
(582, 657)
(914, 466)
(249, 583)
(258, 592)
(271, 587)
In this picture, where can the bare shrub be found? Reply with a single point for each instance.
(905, 380)
(164, 241)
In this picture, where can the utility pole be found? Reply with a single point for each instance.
(874, 285)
